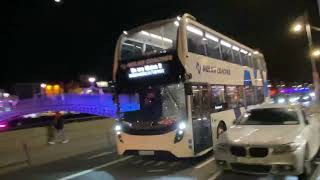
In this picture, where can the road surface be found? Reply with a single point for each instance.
(105, 165)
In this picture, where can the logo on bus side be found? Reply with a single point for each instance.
(212, 69)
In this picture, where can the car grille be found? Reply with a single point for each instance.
(251, 168)
(242, 151)
(258, 152)
(238, 151)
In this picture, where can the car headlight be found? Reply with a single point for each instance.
(284, 148)
(281, 100)
(306, 98)
(312, 94)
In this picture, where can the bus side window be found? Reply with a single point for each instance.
(236, 57)
(218, 99)
(244, 59)
(233, 97)
(260, 94)
(260, 63)
(213, 46)
(196, 42)
(226, 53)
(250, 61)
(250, 95)
(255, 62)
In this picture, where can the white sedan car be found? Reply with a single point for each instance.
(276, 139)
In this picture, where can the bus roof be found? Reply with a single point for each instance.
(195, 22)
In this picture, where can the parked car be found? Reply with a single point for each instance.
(271, 138)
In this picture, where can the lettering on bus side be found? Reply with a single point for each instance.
(213, 69)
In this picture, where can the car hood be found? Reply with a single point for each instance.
(262, 134)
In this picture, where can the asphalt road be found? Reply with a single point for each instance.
(105, 164)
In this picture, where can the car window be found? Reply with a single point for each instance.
(269, 116)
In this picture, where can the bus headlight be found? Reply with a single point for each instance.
(117, 127)
(180, 132)
(182, 125)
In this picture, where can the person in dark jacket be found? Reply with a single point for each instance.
(58, 125)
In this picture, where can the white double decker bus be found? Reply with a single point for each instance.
(190, 82)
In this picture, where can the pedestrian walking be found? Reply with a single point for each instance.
(58, 127)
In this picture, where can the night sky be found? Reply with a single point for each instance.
(49, 42)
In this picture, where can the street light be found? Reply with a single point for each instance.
(57, 2)
(92, 79)
(305, 25)
(43, 85)
(316, 53)
(297, 27)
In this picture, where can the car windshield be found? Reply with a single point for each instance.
(269, 116)
(154, 40)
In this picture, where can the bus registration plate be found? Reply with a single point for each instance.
(146, 153)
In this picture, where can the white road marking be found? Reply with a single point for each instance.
(147, 163)
(95, 168)
(159, 163)
(99, 155)
(174, 164)
(215, 175)
(137, 162)
(204, 163)
(156, 170)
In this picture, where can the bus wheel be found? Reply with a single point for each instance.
(221, 128)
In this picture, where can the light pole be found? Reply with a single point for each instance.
(298, 27)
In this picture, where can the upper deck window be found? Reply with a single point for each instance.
(154, 40)
(226, 51)
(236, 54)
(196, 41)
(213, 46)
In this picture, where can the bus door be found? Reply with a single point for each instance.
(201, 124)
